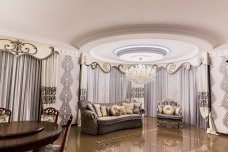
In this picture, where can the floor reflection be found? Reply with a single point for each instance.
(148, 139)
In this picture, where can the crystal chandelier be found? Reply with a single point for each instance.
(141, 73)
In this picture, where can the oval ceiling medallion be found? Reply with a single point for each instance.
(141, 53)
(150, 48)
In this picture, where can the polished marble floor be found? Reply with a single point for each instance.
(148, 139)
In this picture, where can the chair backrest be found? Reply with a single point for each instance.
(66, 133)
(5, 115)
(49, 114)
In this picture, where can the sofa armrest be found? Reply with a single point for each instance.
(89, 114)
(142, 111)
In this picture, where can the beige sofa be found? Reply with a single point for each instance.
(93, 123)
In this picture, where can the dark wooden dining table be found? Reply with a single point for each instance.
(28, 135)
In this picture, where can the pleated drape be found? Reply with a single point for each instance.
(107, 87)
(20, 80)
(180, 87)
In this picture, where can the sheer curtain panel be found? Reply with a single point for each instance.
(20, 81)
(107, 87)
(181, 87)
(49, 79)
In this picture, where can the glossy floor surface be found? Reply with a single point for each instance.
(148, 139)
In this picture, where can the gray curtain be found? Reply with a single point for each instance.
(20, 79)
(120, 87)
(181, 87)
(107, 87)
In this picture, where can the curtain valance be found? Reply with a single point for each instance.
(171, 68)
(19, 48)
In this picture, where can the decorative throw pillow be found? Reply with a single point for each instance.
(177, 110)
(168, 109)
(104, 111)
(118, 113)
(160, 107)
(132, 104)
(90, 107)
(97, 109)
(114, 110)
(122, 110)
(5, 118)
(128, 108)
(48, 118)
(137, 108)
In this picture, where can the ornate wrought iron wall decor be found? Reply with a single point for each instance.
(18, 47)
(83, 94)
(203, 99)
(48, 95)
(138, 92)
(66, 94)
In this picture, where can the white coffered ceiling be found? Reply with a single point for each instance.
(79, 23)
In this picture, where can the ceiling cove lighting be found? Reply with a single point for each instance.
(141, 53)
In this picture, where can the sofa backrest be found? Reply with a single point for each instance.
(82, 104)
(168, 102)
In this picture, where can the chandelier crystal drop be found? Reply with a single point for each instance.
(141, 73)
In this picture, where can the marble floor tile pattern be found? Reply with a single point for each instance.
(150, 138)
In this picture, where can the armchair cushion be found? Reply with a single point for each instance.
(168, 109)
(4, 118)
(164, 116)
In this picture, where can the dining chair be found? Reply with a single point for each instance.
(57, 148)
(49, 114)
(5, 115)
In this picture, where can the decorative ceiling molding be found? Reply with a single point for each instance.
(214, 39)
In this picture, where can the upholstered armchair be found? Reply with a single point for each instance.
(169, 114)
